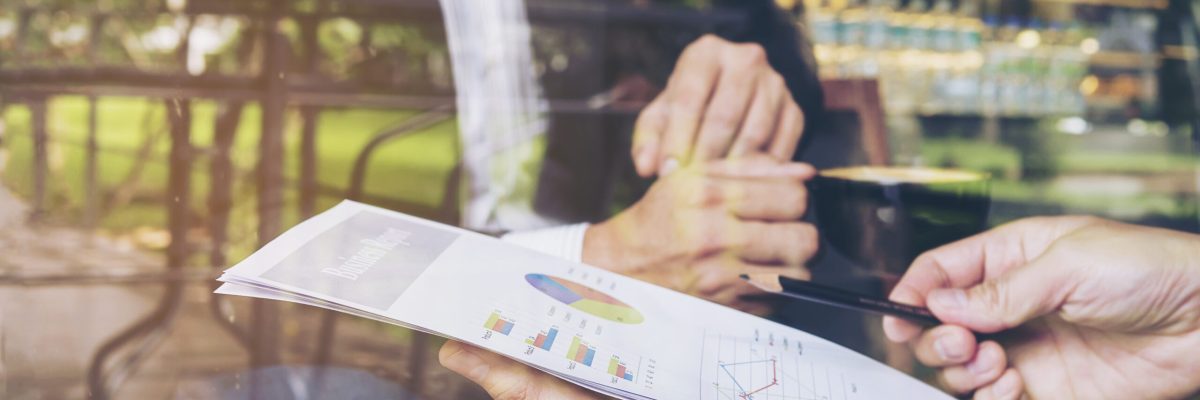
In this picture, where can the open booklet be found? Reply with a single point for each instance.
(615, 335)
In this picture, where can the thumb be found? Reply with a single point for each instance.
(504, 378)
(500, 378)
(1006, 301)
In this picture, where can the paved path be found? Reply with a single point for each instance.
(49, 333)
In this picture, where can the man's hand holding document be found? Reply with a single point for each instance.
(603, 331)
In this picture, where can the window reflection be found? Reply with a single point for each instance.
(522, 116)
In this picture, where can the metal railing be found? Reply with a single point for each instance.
(278, 82)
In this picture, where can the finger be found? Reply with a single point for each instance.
(797, 272)
(720, 278)
(987, 365)
(729, 105)
(954, 265)
(958, 264)
(1010, 386)
(1004, 302)
(761, 119)
(497, 378)
(765, 199)
(647, 136)
(755, 301)
(967, 262)
(899, 330)
(503, 378)
(777, 243)
(459, 357)
(787, 137)
(945, 345)
(689, 90)
(725, 114)
(759, 166)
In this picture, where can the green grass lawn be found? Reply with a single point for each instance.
(1005, 161)
(1129, 163)
(1004, 164)
(413, 169)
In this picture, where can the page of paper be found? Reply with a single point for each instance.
(602, 330)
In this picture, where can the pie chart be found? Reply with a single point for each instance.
(584, 298)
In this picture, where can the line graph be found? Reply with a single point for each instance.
(749, 395)
(759, 367)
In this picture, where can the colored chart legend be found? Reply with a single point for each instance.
(544, 339)
(499, 324)
(581, 352)
(617, 368)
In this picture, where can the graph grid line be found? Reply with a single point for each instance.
(742, 392)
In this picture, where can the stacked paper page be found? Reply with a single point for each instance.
(601, 330)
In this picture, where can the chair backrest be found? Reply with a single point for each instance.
(860, 99)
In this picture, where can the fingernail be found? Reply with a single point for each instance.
(953, 299)
(799, 169)
(468, 364)
(668, 166)
(1007, 387)
(891, 330)
(640, 164)
(644, 157)
(983, 363)
(947, 347)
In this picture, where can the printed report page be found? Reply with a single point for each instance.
(602, 330)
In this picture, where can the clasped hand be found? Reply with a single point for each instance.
(697, 229)
(727, 202)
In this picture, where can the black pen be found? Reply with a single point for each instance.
(809, 291)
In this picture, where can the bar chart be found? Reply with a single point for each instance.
(572, 325)
(617, 368)
(581, 352)
(499, 324)
(544, 339)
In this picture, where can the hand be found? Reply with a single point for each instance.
(722, 100)
(1089, 308)
(506, 379)
(697, 229)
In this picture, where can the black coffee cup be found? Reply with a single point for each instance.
(882, 218)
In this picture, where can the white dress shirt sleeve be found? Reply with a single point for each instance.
(564, 241)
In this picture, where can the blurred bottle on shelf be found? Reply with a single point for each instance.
(1033, 56)
(1009, 61)
(875, 37)
(894, 67)
(823, 28)
(913, 79)
(1048, 57)
(963, 87)
(852, 28)
(990, 78)
(1071, 65)
(898, 22)
(934, 57)
(942, 58)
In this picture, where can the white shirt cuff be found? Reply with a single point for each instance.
(560, 241)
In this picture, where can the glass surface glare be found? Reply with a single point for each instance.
(146, 145)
